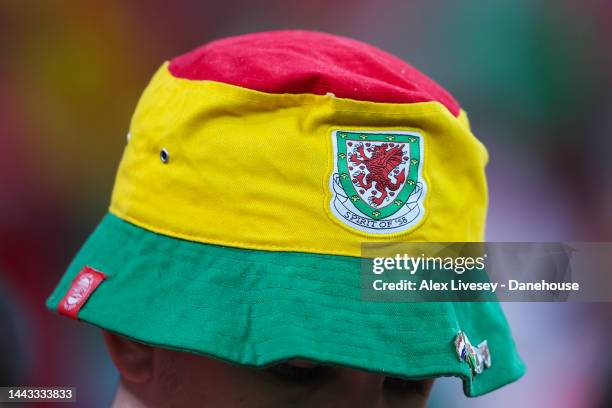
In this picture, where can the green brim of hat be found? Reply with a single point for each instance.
(255, 308)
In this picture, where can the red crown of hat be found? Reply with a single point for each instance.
(299, 62)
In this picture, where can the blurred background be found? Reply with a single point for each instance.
(535, 77)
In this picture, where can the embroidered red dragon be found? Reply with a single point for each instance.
(380, 164)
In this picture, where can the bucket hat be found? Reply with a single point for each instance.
(255, 168)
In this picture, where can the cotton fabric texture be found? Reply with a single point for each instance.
(228, 247)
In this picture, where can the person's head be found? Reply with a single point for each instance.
(256, 167)
(159, 377)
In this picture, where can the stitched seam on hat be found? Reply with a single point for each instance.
(393, 339)
(333, 319)
(236, 244)
(255, 341)
(255, 97)
(334, 296)
(233, 243)
(355, 262)
(360, 356)
(277, 297)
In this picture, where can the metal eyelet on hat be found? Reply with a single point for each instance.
(164, 155)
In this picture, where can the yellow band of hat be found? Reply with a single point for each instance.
(249, 169)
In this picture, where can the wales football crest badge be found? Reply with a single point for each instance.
(377, 184)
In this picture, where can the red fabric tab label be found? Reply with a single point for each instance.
(82, 286)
